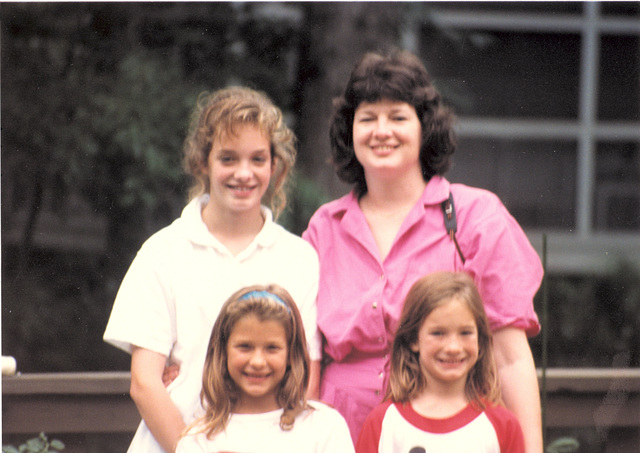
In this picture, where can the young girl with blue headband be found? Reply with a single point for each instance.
(254, 383)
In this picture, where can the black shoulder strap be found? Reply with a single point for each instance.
(450, 222)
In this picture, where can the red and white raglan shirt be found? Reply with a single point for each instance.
(397, 428)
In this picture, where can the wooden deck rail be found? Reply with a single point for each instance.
(68, 403)
(604, 399)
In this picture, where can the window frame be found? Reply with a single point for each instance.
(583, 250)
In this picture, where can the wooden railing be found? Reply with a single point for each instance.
(68, 403)
(606, 400)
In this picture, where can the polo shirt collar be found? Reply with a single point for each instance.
(196, 231)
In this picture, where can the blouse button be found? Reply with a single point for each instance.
(375, 305)
(381, 375)
(380, 340)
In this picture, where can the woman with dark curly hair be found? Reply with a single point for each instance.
(392, 138)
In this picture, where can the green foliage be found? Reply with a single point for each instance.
(40, 444)
(594, 321)
(54, 313)
(137, 128)
(96, 101)
(103, 99)
(304, 197)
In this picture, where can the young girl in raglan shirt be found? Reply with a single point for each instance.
(443, 393)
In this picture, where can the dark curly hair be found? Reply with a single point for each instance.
(397, 76)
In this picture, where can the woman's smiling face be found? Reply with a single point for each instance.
(387, 137)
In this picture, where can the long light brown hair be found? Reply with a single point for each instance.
(219, 392)
(217, 114)
(406, 380)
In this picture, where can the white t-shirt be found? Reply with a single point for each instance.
(172, 293)
(322, 430)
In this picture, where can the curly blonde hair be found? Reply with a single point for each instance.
(218, 113)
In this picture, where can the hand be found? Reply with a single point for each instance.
(170, 374)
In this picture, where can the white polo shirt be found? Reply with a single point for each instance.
(172, 293)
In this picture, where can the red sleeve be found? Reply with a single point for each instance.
(370, 435)
(507, 428)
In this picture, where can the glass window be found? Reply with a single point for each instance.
(617, 188)
(498, 74)
(536, 180)
(512, 7)
(619, 78)
(620, 8)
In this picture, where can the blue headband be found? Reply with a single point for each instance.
(265, 295)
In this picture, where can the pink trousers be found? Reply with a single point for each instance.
(354, 388)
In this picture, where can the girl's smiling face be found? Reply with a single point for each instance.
(257, 360)
(447, 345)
(239, 168)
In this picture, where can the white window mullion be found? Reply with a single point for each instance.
(589, 71)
